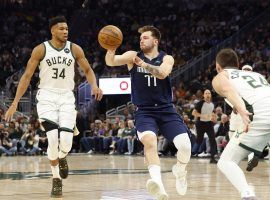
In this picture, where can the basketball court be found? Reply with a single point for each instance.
(104, 177)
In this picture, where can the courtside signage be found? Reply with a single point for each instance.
(115, 85)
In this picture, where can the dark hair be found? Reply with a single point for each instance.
(227, 58)
(155, 32)
(55, 20)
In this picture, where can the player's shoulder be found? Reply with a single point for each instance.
(75, 46)
(39, 51)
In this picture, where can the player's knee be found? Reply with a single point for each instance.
(52, 144)
(149, 140)
(49, 126)
(182, 143)
(66, 138)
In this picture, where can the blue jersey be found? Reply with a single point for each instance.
(147, 90)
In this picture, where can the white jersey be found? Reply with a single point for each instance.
(57, 68)
(251, 86)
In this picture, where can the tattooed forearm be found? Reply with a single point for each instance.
(154, 70)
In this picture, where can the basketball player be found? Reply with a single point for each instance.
(56, 103)
(152, 94)
(236, 128)
(249, 93)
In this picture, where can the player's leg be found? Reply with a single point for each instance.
(173, 128)
(154, 185)
(47, 112)
(228, 165)
(146, 131)
(67, 122)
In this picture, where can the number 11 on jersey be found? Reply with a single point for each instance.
(149, 80)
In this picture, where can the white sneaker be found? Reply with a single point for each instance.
(204, 155)
(181, 181)
(90, 152)
(156, 189)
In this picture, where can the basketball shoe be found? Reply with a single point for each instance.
(181, 181)
(56, 188)
(63, 167)
(156, 189)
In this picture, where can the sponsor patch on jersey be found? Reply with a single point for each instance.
(66, 50)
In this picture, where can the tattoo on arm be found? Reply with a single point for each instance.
(154, 70)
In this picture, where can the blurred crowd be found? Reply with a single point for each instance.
(188, 27)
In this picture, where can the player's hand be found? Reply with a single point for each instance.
(111, 51)
(97, 92)
(11, 110)
(245, 118)
(138, 61)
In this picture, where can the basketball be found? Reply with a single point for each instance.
(110, 37)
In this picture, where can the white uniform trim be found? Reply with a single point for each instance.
(142, 134)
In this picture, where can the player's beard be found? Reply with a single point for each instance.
(61, 39)
(147, 49)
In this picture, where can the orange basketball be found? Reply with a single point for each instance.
(110, 37)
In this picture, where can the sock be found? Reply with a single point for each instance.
(55, 171)
(154, 171)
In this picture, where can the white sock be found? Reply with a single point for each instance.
(154, 171)
(55, 171)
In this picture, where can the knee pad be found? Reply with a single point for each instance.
(182, 142)
(183, 145)
(52, 150)
(66, 139)
(48, 126)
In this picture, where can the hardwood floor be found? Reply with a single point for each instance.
(100, 177)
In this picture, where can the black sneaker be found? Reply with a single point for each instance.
(213, 161)
(63, 168)
(252, 163)
(56, 188)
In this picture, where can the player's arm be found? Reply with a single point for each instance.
(117, 60)
(162, 71)
(89, 73)
(36, 56)
(223, 87)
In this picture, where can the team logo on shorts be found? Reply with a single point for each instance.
(66, 50)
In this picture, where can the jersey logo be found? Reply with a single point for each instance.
(66, 50)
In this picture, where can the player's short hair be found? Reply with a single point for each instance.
(155, 32)
(56, 20)
(227, 58)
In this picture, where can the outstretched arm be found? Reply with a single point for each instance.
(117, 60)
(36, 56)
(89, 73)
(162, 71)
